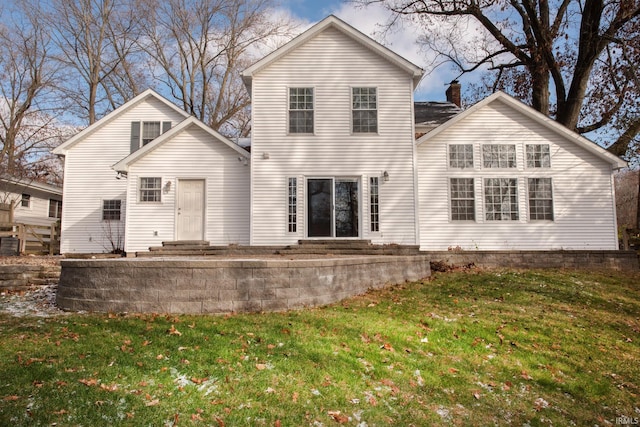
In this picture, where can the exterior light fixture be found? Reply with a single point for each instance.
(385, 176)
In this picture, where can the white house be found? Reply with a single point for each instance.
(334, 155)
(33, 202)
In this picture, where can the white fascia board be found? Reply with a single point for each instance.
(65, 146)
(616, 162)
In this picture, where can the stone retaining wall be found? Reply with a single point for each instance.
(17, 276)
(585, 260)
(223, 286)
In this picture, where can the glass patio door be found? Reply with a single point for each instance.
(333, 207)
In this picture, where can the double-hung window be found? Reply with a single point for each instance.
(150, 189)
(499, 156)
(25, 201)
(540, 199)
(143, 133)
(111, 210)
(364, 103)
(462, 196)
(501, 199)
(300, 110)
(538, 156)
(461, 156)
(150, 131)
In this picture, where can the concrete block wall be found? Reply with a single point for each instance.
(223, 286)
(583, 260)
(20, 276)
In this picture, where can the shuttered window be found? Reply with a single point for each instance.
(143, 133)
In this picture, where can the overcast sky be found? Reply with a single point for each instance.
(402, 41)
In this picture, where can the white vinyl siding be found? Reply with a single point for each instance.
(40, 202)
(89, 178)
(332, 64)
(583, 200)
(190, 154)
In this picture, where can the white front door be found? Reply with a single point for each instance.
(190, 211)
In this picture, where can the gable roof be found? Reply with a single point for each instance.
(20, 182)
(536, 116)
(333, 22)
(149, 93)
(431, 114)
(123, 165)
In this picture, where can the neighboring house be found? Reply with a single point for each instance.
(33, 202)
(339, 150)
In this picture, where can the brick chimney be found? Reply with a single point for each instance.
(453, 93)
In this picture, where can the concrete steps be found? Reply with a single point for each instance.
(304, 247)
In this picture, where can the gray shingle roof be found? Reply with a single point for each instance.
(431, 114)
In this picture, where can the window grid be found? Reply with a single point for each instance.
(150, 131)
(25, 201)
(374, 204)
(55, 208)
(111, 210)
(293, 205)
(461, 155)
(499, 156)
(300, 110)
(538, 156)
(364, 109)
(501, 199)
(540, 199)
(462, 199)
(150, 189)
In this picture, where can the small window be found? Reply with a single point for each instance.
(463, 199)
(538, 156)
(111, 210)
(150, 131)
(374, 204)
(25, 202)
(364, 109)
(150, 189)
(461, 156)
(293, 205)
(540, 199)
(499, 156)
(55, 208)
(300, 110)
(501, 199)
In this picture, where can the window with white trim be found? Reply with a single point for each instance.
(111, 210)
(364, 110)
(501, 199)
(25, 201)
(463, 200)
(538, 156)
(150, 189)
(300, 110)
(374, 203)
(461, 156)
(499, 156)
(540, 199)
(293, 205)
(55, 208)
(150, 131)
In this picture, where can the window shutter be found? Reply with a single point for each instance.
(166, 126)
(135, 136)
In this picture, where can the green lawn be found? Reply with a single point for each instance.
(465, 348)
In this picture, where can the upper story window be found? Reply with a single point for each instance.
(538, 156)
(461, 156)
(25, 201)
(300, 110)
(55, 208)
(143, 133)
(150, 189)
(499, 156)
(364, 109)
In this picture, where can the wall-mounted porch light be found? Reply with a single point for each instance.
(385, 176)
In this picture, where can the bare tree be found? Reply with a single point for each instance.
(562, 47)
(199, 47)
(94, 39)
(26, 118)
(627, 198)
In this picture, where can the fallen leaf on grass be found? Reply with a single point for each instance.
(261, 366)
(60, 412)
(453, 370)
(112, 387)
(525, 375)
(338, 417)
(387, 347)
(88, 382)
(11, 398)
(154, 402)
(476, 394)
(174, 331)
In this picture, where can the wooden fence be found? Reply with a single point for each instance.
(33, 238)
